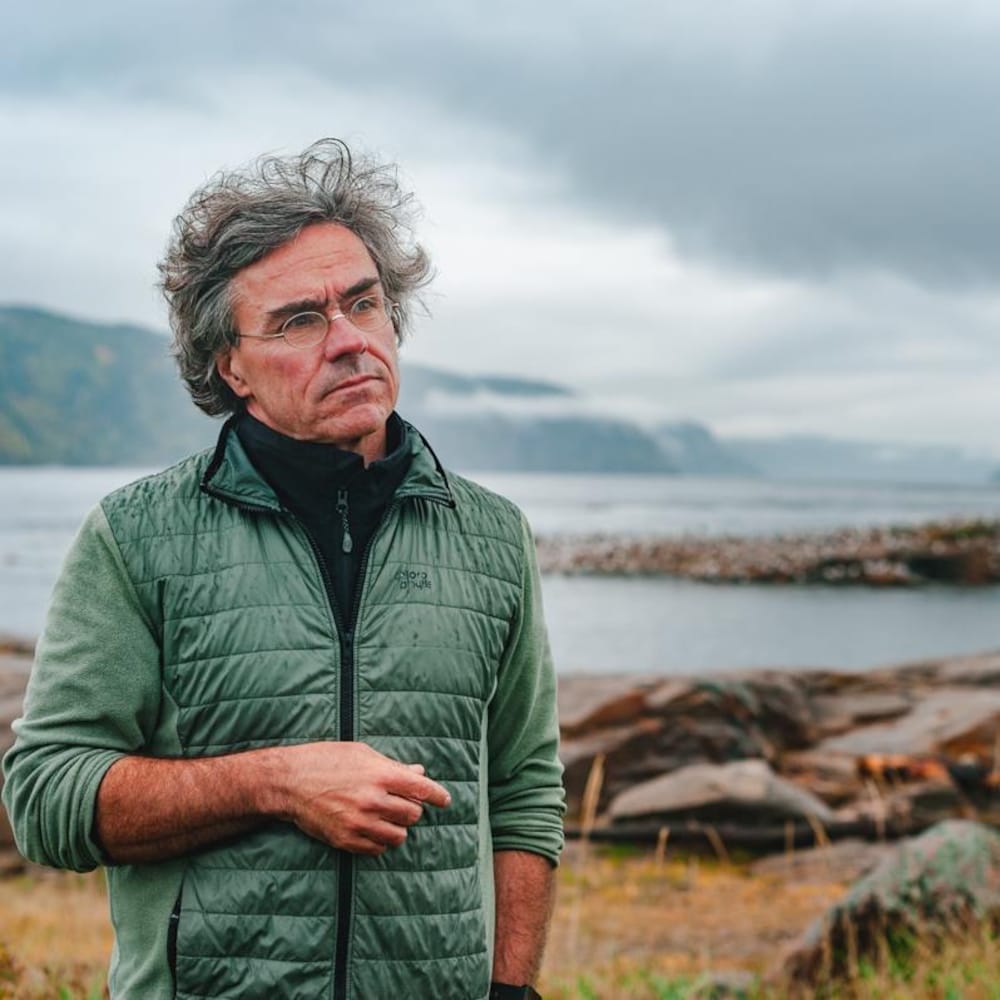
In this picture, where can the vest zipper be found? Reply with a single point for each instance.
(345, 867)
(345, 729)
(347, 543)
(345, 901)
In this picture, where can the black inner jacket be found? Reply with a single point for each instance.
(338, 500)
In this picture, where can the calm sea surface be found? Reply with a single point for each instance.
(642, 624)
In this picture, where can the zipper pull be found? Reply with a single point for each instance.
(348, 543)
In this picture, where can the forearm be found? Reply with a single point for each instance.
(152, 809)
(525, 896)
(344, 794)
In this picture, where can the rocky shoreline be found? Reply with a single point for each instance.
(765, 760)
(812, 772)
(958, 552)
(759, 760)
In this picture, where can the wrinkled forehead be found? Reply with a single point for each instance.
(321, 264)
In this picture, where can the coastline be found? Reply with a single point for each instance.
(963, 551)
(765, 758)
(743, 781)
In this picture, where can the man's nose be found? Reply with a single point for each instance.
(343, 337)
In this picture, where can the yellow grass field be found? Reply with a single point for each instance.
(627, 927)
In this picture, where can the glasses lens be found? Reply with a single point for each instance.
(370, 313)
(305, 329)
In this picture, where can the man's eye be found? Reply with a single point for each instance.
(366, 304)
(305, 321)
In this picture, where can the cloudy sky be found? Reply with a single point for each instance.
(771, 216)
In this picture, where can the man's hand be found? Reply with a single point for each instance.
(351, 796)
(345, 794)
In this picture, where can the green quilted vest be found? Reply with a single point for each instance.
(253, 656)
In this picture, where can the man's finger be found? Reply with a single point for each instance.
(421, 789)
(401, 810)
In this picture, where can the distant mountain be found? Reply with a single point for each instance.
(695, 450)
(422, 383)
(829, 459)
(79, 393)
(486, 423)
(74, 392)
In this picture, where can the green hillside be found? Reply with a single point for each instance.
(80, 393)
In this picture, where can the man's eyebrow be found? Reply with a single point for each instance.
(300, 305)
(360, 286)
(315, 304)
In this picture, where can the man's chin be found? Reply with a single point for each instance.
(356, 431)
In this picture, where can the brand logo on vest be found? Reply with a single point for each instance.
(413, 579)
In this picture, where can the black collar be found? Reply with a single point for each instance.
(307, 474)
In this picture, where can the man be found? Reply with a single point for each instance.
(296, 693)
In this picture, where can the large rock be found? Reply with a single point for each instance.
(590, 703)
(625, 749)
(644, 730)
(745, 791)
(838, 713)
(909, 807)
(650, 746)
(832, 777)
(771, 704)
(953, 721)
(941, 883)
(976, 670)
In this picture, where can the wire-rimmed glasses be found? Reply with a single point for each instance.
(370, 313)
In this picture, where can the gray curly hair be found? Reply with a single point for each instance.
(238, 217)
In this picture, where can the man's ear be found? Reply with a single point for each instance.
(228, 368)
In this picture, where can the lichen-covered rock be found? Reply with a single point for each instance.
(932, 886)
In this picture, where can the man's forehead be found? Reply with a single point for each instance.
(321, 262)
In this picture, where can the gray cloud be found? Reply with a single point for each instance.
(768, 216)
(777, 137)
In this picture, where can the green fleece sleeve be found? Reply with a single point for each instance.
(93, 696)
(526, 795)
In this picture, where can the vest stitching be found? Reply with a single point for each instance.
(193, 706)
(424, 961)
(446, 694)
(436, 604)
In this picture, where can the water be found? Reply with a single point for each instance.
(656, 625)
(705, 505)
(640, 624)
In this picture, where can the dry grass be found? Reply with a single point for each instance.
(628, 926)
(622, 916)
(55, 936)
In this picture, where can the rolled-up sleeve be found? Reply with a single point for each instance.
(526, 794)
(93, 697)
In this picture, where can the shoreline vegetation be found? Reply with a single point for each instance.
(756, 834)
(962, 551)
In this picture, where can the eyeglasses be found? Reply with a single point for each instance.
(370, 314)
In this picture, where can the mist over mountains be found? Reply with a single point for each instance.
(81, 393)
